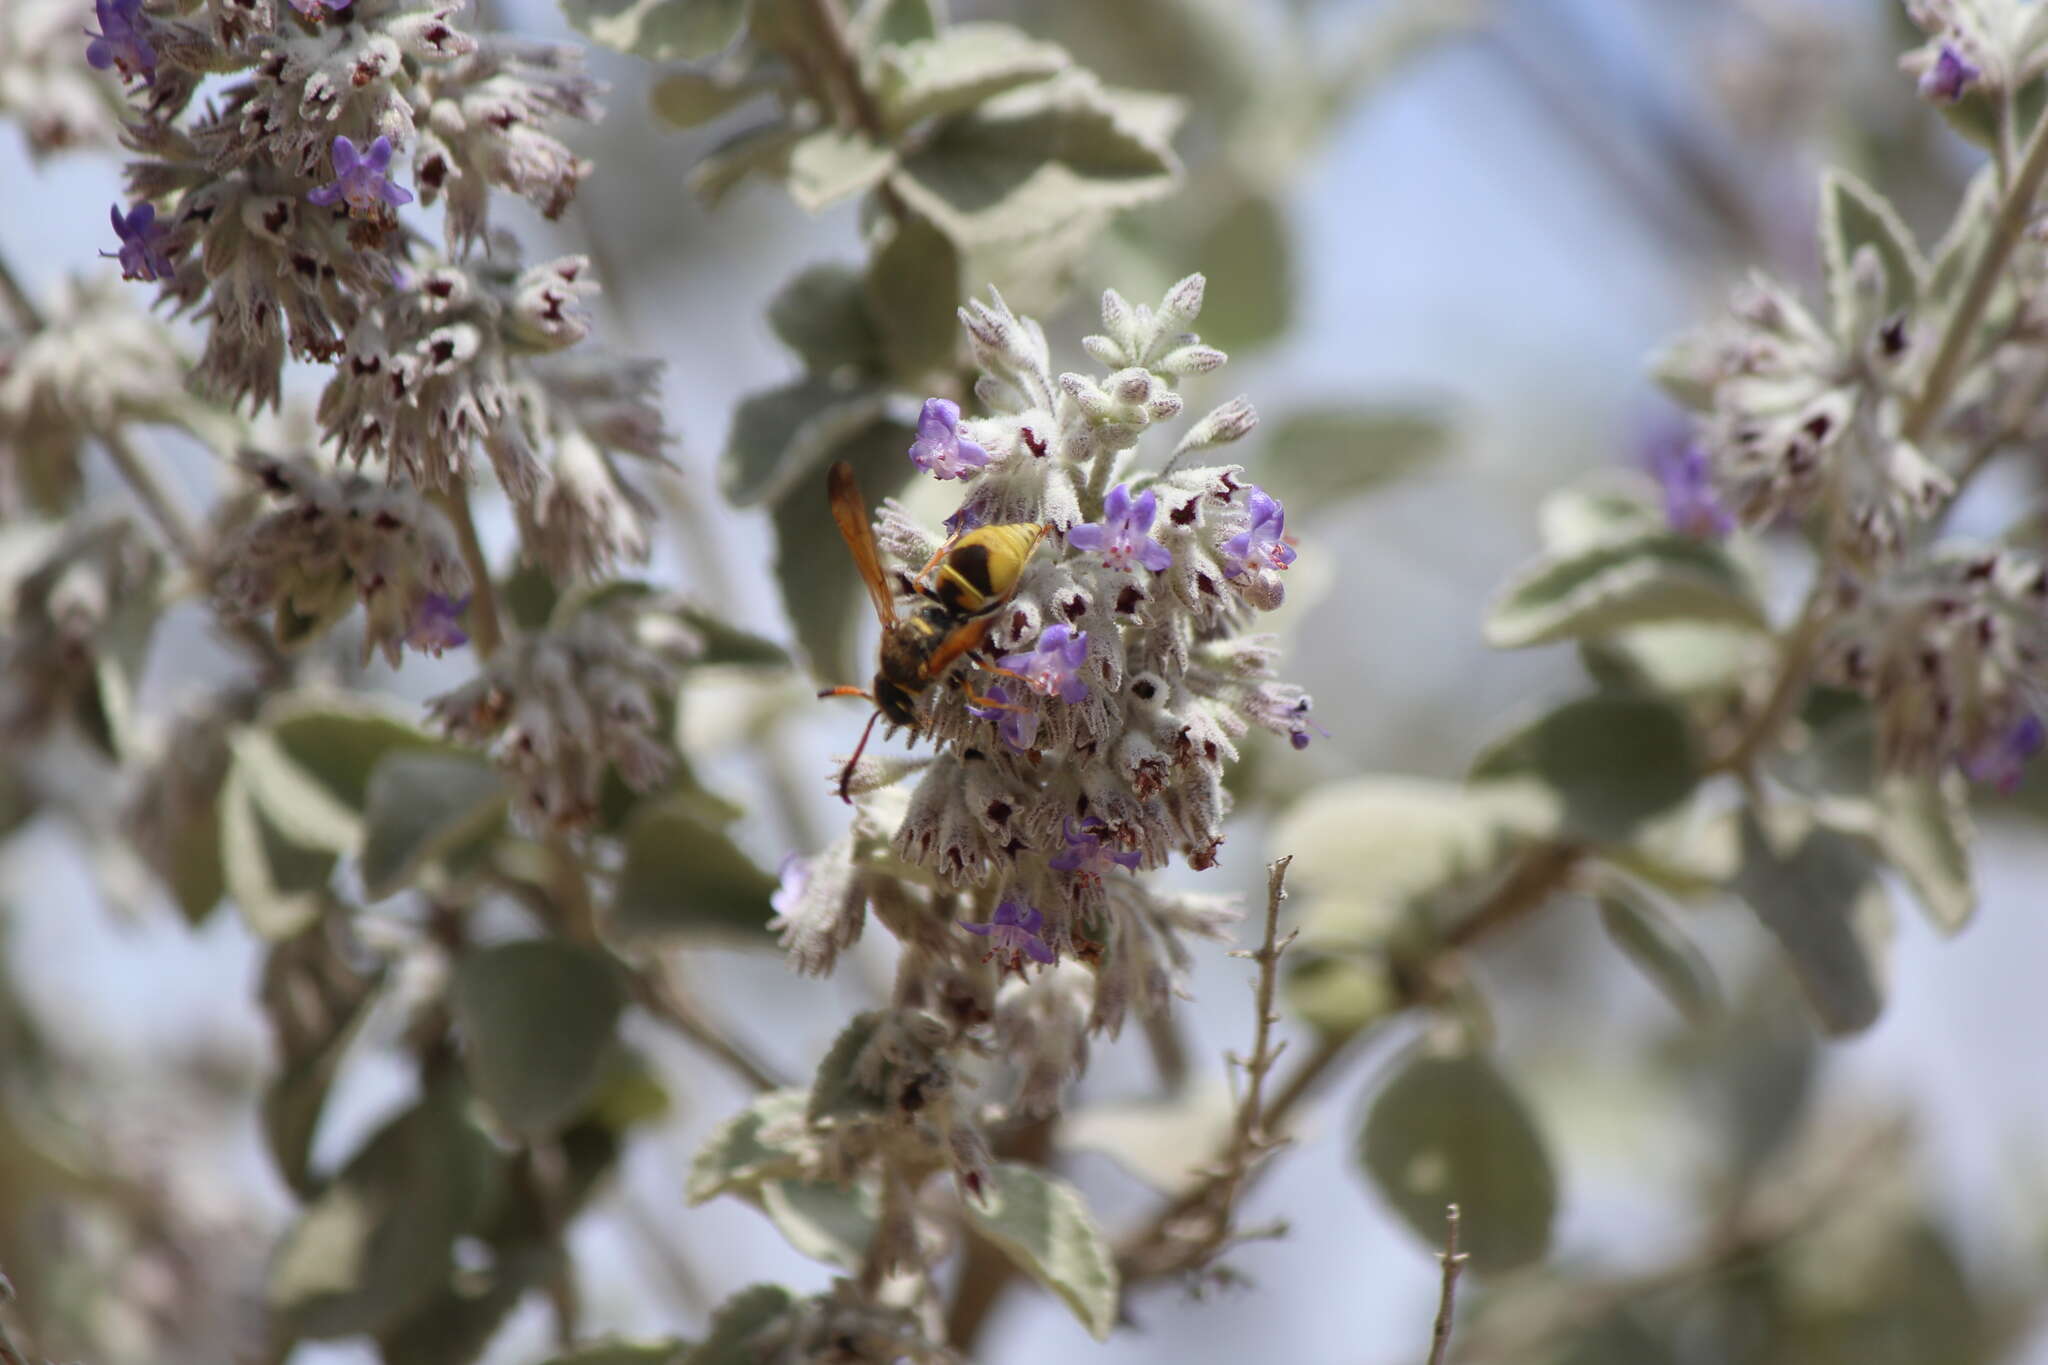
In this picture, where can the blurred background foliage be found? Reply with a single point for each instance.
(1442, 241)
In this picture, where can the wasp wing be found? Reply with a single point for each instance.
(850, 510)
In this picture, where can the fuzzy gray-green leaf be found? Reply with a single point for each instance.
(1923, 830)
(785, 436)
(1853, 216)
(1818, 896)
(825, 1221)
(1449, 1129)
(421, 806)
(684, 99)
(659, 30)
(822, 315)
(1641, 923)
(1321, 455)
(958, 68)
(1613, 761)
(832, 164)
(767, 1140)
(1031, 160)
(1043, 1225)
(683, 874)
(539, 1019)
(1645, 580)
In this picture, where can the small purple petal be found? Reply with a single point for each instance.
(1949, 77)
(344, 155)
(1088, 536)
(378, 158)
(940, 450)
(326, 196)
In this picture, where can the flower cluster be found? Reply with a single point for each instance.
(54, 98)
(559, 708)
(337, 538)
(1799, 416)
(1086, 743)
(1949, 651)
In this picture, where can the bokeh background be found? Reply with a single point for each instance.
(1480, 241)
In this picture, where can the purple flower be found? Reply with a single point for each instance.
(437, 625)
(1013, 934)
(1053, 666)
(940, 450)
(1691, 507)
(120, 42)
(1016, 723)
(1121, 534)
(142, 255)
(1086, 855)
(795, 873)
(359, 180)
(1261, 545)
(316, 10)
(2001, 762)
(1951, 75)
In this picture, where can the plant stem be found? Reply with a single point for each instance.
(830, 24)
(2014, 212)
(486, 631)
(1453, 1261)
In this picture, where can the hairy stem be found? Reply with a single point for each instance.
(829, 23)
(1453, 1262)
(486, 632)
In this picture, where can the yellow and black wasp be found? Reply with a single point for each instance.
(970, 579)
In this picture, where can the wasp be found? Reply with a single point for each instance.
(963, 587)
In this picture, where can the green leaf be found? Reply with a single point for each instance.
(1853, 216)
(820, 589)
(832, 164)
(822, 315)
(1042, 1224)
(786, 436)
(1613, 761)
(1449, 1129)
(959, 68)
(1643, 925)
(837, 1091)
(740, 1319)
(379, 1241)
(765, 1141)
(882, 22)
(826, 1222)
(1166, 1143)
(727, 646)
(527, 595)
(1367, 850)
(1655, 578)
(1574, 519)
(197, 879)
(683, 874)
(334, 743)
(761, 150)
(290, 797)
(422, 807)
(1250, 304)
(278, 884)
(913, 294)
(617, 1351)
(1923, 830)
(1814, 890)
(659, 30)
(684, 99)
(294, 1101)
(1031, 160)
(1338, 993)
(539, 1019)
(1323, 455)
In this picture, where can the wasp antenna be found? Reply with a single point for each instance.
(846, 773)
(845, 692)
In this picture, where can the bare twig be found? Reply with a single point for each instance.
(658, 995)
(829, 23)
(1453, 1262)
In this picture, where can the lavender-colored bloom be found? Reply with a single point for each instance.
(1086, 855)
(359, 180)
(120, 43)
(437, 625)
(795, 873)
(1261, 545)
(1121, 534)
(1951, 74)
(142, 254)
(316, 10)
(2001, 762)
(1052, 667)
(1016, 724)
(1013, 933)
(940, 450)
(1691, 506)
